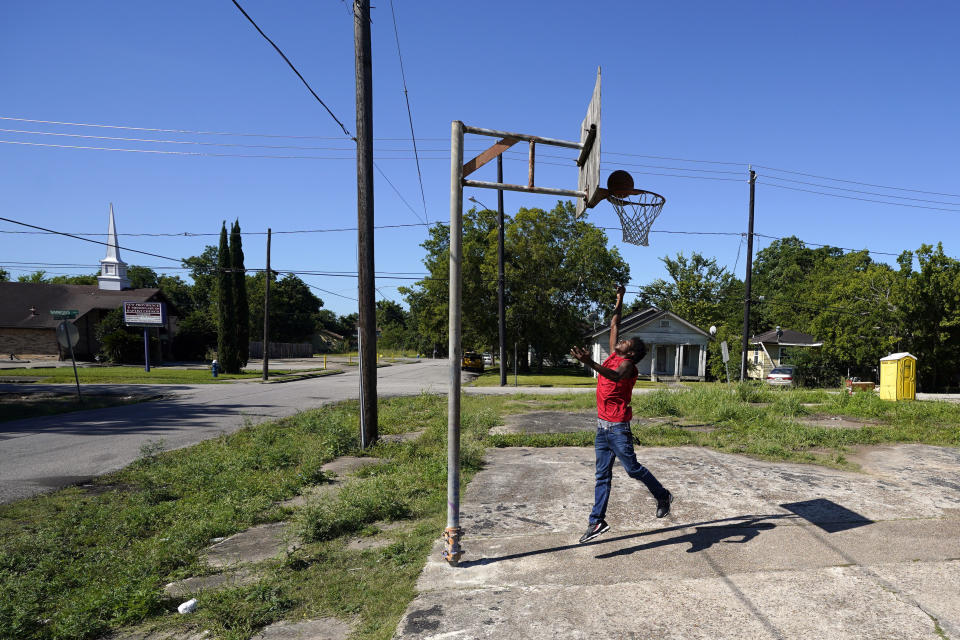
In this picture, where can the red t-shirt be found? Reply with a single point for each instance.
(613, 398)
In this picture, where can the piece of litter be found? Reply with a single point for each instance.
(188, 607)
(216, 540)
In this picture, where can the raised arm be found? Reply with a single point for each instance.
(615, 319)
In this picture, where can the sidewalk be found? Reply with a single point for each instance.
(752, 549)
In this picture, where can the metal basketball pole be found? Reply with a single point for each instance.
(451, 535)
(501, 310)
(746, 301)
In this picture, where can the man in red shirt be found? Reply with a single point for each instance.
(615, 381)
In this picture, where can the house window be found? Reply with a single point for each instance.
(686, 355)
(664, 324)
(784, 355)
(756, 355)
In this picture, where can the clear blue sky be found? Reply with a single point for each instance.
(861, 91)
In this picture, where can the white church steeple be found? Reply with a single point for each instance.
(113, 270)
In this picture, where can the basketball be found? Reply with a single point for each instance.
(620, 182)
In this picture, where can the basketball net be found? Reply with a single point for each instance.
(637, 212)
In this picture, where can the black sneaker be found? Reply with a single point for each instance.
(663, 505)
(594, 530)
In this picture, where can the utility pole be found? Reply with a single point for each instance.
(266, 316)
(746, 301)
(367, 317)
(501, 312)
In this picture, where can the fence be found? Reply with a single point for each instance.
(282, 350)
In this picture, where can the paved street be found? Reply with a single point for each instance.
(40, 454)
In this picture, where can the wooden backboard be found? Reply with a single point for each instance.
(589, 160)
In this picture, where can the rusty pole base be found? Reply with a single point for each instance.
(452, 551)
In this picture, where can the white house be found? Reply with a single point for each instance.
(676, 349)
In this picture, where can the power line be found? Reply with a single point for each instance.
(406, 96)
(190, 234)
(837, 195)
(189, 131)
(870, 193)
(399, 195)
(865, 184)
(69, 235)
(290, 64)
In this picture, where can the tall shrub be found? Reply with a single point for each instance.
(239, 277)
(227, 352)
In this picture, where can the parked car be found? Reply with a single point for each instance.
(472, 361)
(780, 377)
(488, 359)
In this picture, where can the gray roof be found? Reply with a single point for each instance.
(17, 298)
(789, 337)
(640, 318)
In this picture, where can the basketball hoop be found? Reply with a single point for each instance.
(637, 210)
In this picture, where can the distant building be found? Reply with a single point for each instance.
(775, 348)
(28, 329)
(676, 349)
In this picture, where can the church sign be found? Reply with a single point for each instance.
(144, 314)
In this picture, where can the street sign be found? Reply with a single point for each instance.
(64, 313)
(144, 314)
(67, 335)
(725, 351)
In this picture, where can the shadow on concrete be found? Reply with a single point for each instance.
(827, 514)
(705, 537)
(738, 520)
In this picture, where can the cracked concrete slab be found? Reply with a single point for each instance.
(192, 586)
(345, 465)
(256, 544)
(318, 629)
(751, 549)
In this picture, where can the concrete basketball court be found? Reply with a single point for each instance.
(753, 549)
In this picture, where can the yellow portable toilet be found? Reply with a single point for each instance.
(898, 377)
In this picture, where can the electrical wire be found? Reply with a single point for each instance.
(61, 233)
(399, 195)
(406, 96)
(869, 193)
(290, 64)
(865, 184)
(837, 195)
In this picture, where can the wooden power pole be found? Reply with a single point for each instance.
(746, 302)
(266, 316)
(367, 317)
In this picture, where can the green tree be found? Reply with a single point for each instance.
(35, 277)
(196, 335)
(227, 348)
(204, 271)
(239, 278)
(392, 325)
(118, 342)
(87, 279)
(929, 318)
(294, 310)
(704, 294)
(180, 295)
(4, 275)
(558, 270)
(142, 277)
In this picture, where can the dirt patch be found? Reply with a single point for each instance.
(836, 422)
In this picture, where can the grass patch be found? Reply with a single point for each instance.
(136, 375)
(80, 562)
(16, 406)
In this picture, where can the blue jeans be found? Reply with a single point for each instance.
(614, 439)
